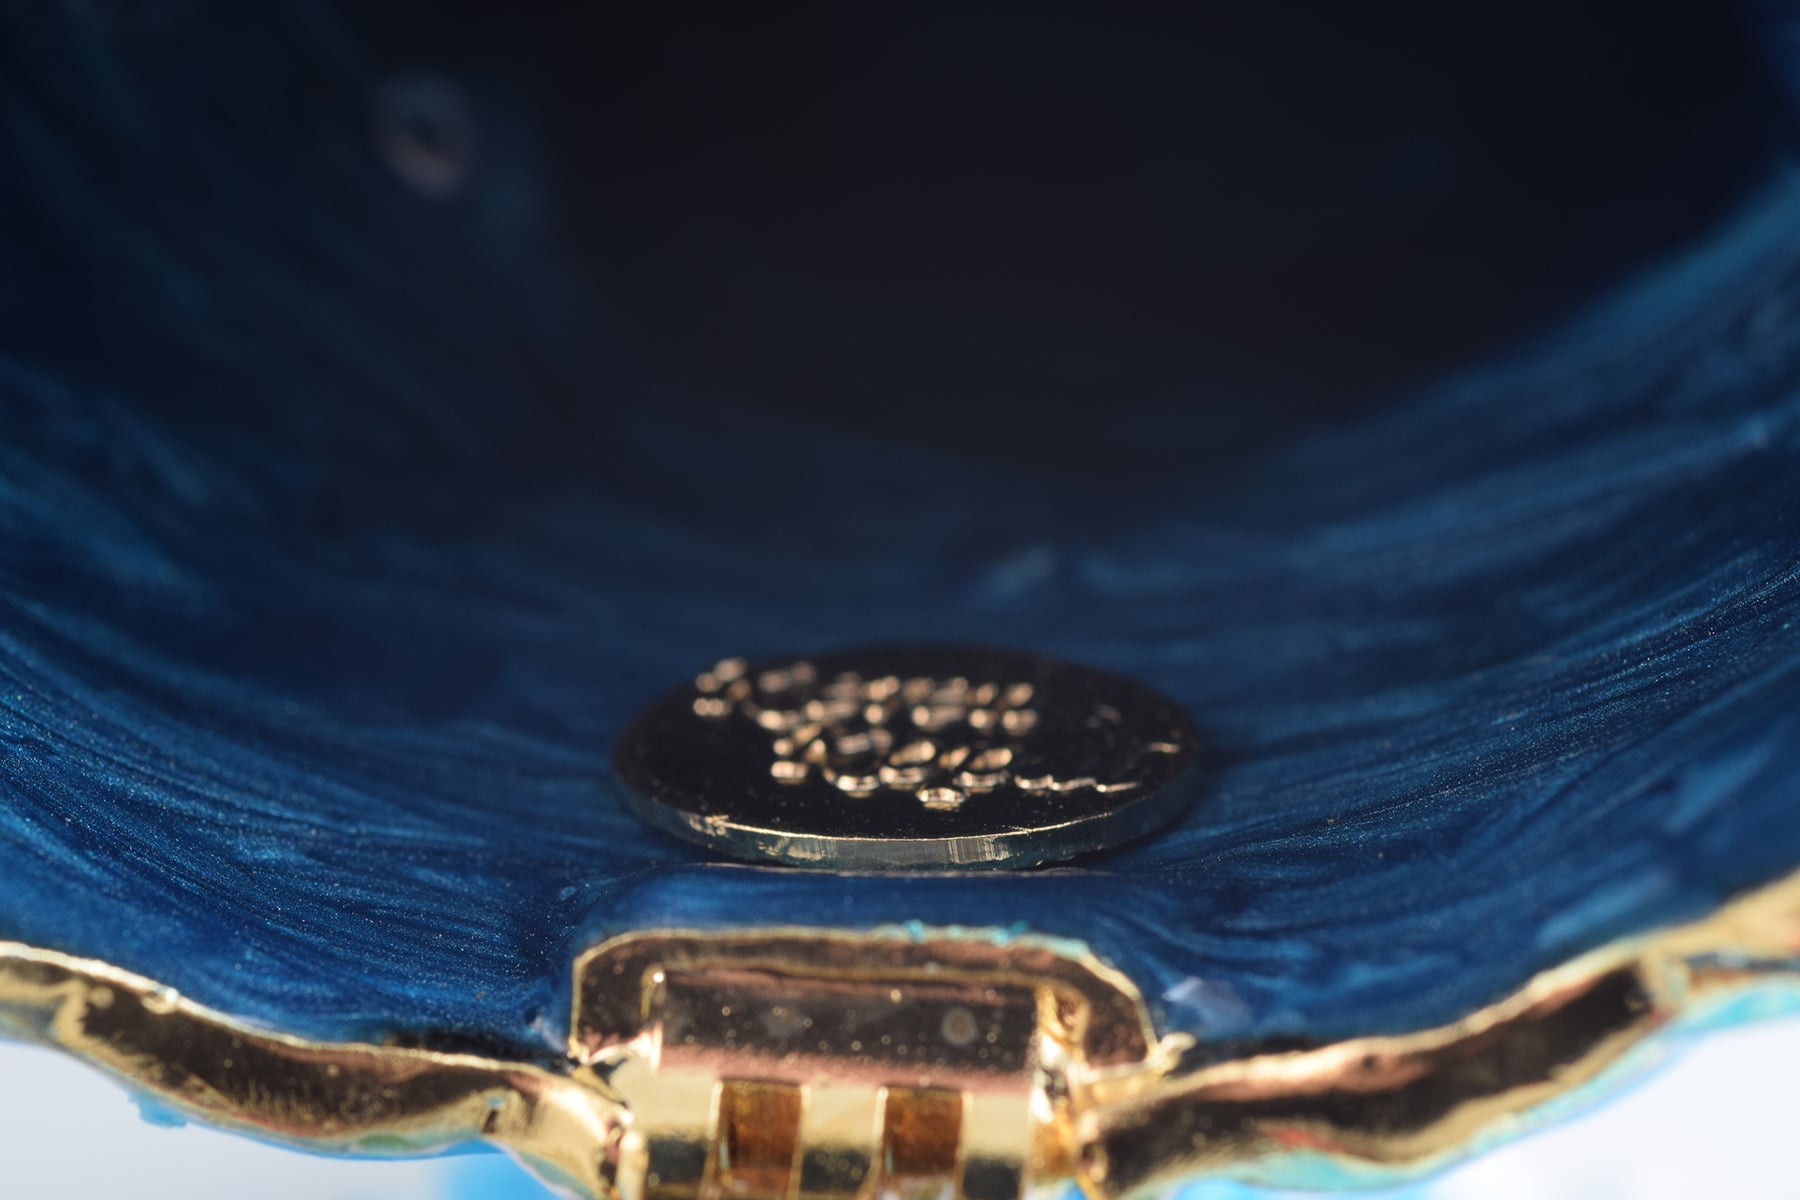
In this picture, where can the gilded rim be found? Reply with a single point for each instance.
(1377, 1107)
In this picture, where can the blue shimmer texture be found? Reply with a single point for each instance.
(340, 534)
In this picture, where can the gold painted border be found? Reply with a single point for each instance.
(1402, 1105)
(334, 1098)
(1379, 1105)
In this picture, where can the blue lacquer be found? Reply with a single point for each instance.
(322, 600)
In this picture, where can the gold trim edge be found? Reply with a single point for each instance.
(325, 1097)
(1377, 1109)
(1372, 1108)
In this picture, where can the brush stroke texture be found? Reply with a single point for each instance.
(340, 533)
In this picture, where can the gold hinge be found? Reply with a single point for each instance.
(797, 1063)
(819, 1063)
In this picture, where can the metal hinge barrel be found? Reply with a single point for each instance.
(802, 1066)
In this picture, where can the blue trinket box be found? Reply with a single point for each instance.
(396, 402)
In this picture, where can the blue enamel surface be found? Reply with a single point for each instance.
(323, 595)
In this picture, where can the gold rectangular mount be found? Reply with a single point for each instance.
(795, 1064)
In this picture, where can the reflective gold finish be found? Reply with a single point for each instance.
(335, 1098)
(903, 758)
(793, 1063)
(1413, 1101)
(942, 1066)
(854, 731)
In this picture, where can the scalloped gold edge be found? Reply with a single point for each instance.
(1390, 1104)
(335, 1098)
(1381, 1106)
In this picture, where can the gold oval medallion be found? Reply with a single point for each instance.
(908, 758)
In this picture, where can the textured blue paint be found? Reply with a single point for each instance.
(323, 595)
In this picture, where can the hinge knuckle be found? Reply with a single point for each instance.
(800, 1065)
